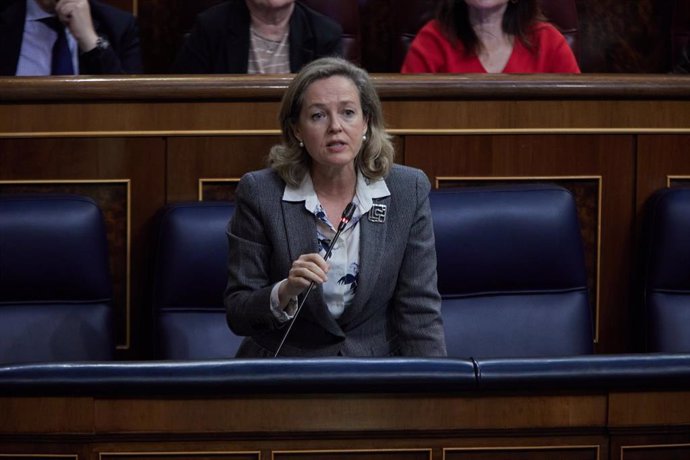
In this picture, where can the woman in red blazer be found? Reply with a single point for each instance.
(489, 36)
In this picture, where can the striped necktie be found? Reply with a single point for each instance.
(61, 63)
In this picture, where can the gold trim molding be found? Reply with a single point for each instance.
(650, 446)
(595, 447)
(184, 453)
(671, 178)
(349, 451)
(203, 180)
(393, 131)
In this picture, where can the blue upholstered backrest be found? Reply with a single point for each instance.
(667, 270)
(511, 272)
(190, 275)
(55, 287)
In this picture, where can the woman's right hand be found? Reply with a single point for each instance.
(304, 270)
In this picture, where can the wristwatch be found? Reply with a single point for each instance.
(102, 43)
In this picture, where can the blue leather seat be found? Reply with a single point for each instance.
(666, 270)
(55, 286)
(190, 275)
(511, 272)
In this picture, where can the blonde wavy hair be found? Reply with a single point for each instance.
(292, 162)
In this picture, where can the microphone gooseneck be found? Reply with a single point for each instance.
(344, 219)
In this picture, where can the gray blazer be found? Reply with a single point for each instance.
(396, 310)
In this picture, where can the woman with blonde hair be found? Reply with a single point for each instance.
(377, 294)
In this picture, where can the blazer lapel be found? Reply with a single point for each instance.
(371, 250)
(300, 229)
(12, 15)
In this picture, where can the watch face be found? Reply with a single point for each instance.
(102, 43)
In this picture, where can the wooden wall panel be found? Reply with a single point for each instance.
(568, 452)
(354, 454)
(645, 446)
(555, 156)
(661, 160)
(126, 119)
(193, 158)
(488, 116)
(183, 454)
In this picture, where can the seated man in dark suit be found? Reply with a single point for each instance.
(258, 36)
(67, 37)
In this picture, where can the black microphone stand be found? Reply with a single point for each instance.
(347, 215)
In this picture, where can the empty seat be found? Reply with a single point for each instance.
(563, 14)
(55, 286)
(190, 274)
(666, 270)
(409, 17)
(345, 13)
(511, 272)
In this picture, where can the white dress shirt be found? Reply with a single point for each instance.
(36, 53)
(343, 275)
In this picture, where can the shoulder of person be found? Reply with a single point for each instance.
(103, 11)
(263, 178)
(223, 10)
(308, 14)
(405, 176)
(544, 30)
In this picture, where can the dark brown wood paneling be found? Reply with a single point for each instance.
(661, 157)
(184, 454)
(327, 414)
(641, 445)
(525, 453)
(46, 415)
(354, 455)
(194, 158)
(636, 409)
(656, 452)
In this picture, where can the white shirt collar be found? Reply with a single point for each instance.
(366, 191)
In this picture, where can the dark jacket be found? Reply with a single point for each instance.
(219, 41)
(396, 309)
(682, 64)
(117, 26)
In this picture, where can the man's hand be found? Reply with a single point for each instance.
(76, 16)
